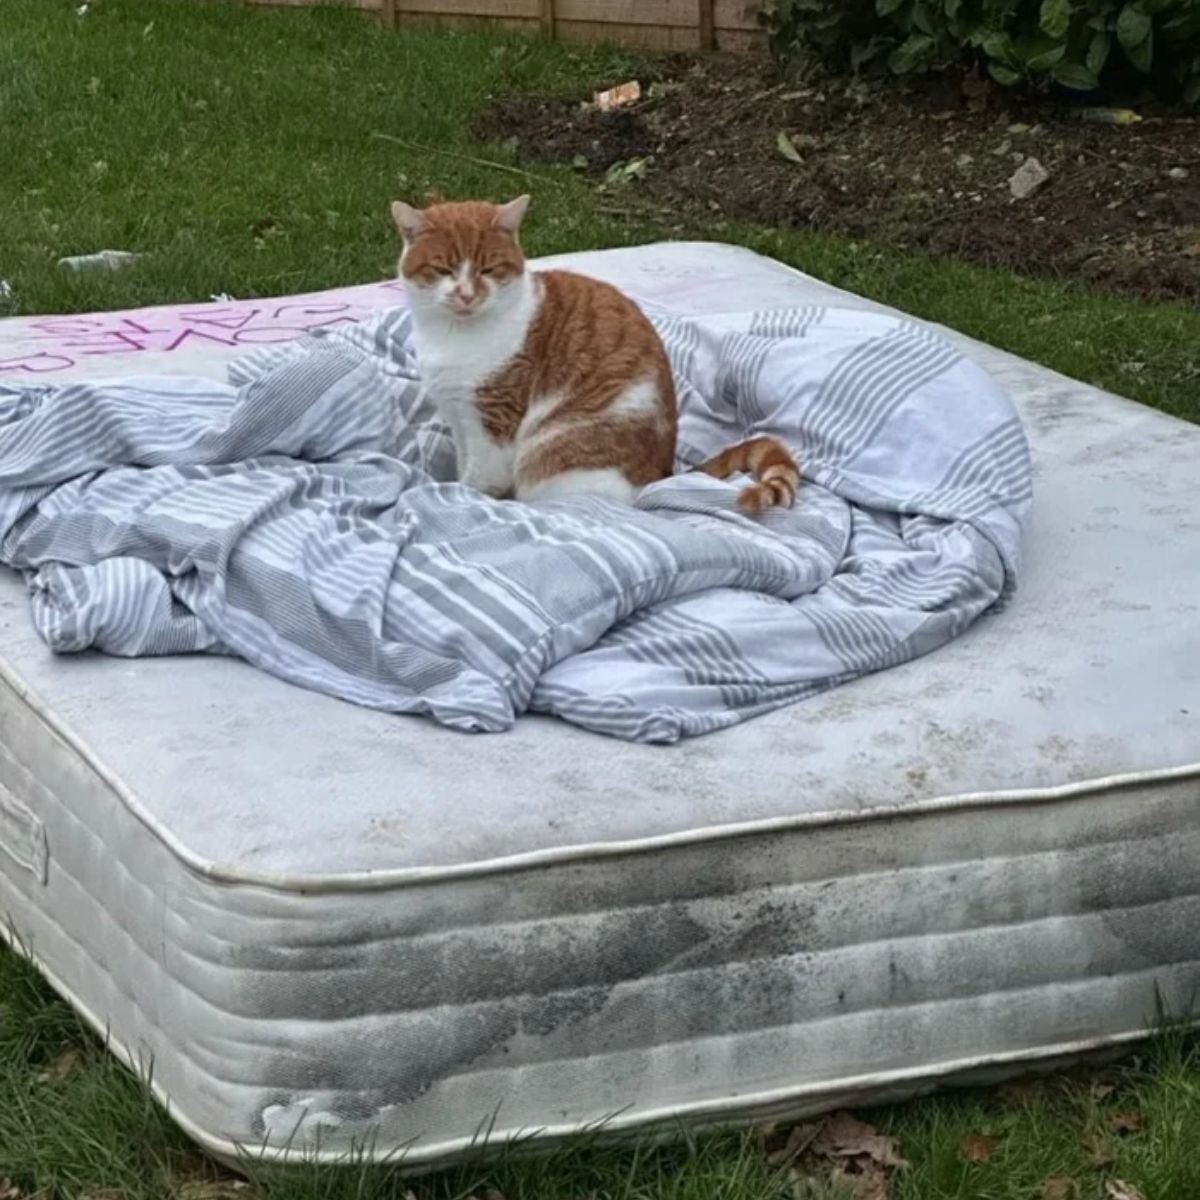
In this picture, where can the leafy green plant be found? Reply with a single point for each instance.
(828, 31)
(1078, 44)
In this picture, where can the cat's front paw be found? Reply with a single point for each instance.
(489, 485)
(498, 491)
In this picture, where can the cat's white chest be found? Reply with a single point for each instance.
(462, 354)
(455, 359)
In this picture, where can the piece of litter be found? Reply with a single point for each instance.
(82, 10)
(618, 97)
(1178, 173)
(222, 297)
(1110, 116)
(1027, 178)
(1118, 1189)
(107, 260)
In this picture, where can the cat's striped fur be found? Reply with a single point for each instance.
(552, 383)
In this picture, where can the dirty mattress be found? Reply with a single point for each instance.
(329, 926)
(304, 515)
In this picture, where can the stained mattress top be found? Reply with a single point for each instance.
(1093, 672)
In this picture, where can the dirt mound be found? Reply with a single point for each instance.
(931, 165)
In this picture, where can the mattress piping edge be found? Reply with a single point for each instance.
(559, 855)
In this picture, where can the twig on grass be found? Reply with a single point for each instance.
(467, 158)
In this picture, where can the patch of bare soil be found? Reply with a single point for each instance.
(942, 166)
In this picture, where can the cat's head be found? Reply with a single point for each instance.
(460, 258)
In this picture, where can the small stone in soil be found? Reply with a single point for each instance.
(1178, 173)
(1027, 178)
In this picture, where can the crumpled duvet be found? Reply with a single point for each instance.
(302, 515)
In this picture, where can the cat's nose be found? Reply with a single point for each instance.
(464, 295)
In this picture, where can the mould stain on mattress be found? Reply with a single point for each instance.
(358, 1078)
(747, 953)
(1047, 409)
(1066, 758)
(1155, 937)
(459, 1004)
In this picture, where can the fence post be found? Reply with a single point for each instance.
(387, 12)
(547, 17)
(704, 25)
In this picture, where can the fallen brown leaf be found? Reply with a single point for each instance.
(798, 1184)
(799, 1138)
(1126, 1122)
(9, 1190)
(1023, 1090)
(869, 1183)
(977, 1147)
(844, 1136)
(1058, 1187)
(787, 148)
(1118, 1189)
(59, 1068)
(213, 1189)
(1099, 1154)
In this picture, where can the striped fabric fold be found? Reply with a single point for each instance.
(302, 515)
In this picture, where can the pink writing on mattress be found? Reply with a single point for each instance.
(41, 346)
(45, 345)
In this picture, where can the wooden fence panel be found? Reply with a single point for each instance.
(672, 13)
(736, 14)
(654, 24)
(648, 37)
(528, 9)
(367, 5)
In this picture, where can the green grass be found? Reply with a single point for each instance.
(235, 147)
(73, 1123)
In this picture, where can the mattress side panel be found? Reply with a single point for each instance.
(709, 976)
(691, 981)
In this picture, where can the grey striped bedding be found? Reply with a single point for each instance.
(302, 515)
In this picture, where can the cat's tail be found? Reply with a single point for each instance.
(770, 462)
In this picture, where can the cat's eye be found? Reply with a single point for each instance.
(443, 270)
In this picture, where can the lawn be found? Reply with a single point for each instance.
(236, 148)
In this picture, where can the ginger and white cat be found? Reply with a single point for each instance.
(553, 384)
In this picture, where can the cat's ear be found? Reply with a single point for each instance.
(409, 221)
(508, 216)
